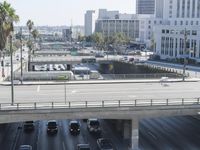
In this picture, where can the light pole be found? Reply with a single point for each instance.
(21, 56)
(65, 87)
(184, 53)
(11, 71)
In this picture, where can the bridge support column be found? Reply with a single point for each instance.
(126, 130)
(135, 134)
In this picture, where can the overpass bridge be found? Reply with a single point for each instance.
(69, 60)
(133, 110)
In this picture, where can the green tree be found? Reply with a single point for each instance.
(30, 25)
(7, 19)
(98, 39)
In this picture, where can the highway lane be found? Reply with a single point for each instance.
(63, 140)
(170, 133)
(94, 92)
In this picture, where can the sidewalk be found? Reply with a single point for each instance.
(98, 81)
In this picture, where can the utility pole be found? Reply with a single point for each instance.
(21, 56)
(184, 54)
(11, 72)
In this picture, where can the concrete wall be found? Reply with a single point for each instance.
(122, 113)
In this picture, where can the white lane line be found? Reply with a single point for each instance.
(38, 88)
(63, 144)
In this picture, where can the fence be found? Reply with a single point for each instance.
(100, 104)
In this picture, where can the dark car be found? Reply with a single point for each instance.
(104, 144)
(93, 126)
(29, 126)
(25, 147)
(83, 147)
(74, 127)
(52, 127)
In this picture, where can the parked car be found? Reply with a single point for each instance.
(93, 126)
(29, 126)
(25, 147)
(74, 127)
(104, 144)
(52, 127)
(83, 147)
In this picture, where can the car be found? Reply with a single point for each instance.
(52, 127)
(93, 126)
(74, 127)
(83, 147)
(29, 126)
(25, 147)
(104, 144)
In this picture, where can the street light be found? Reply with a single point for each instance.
(66, 78)
(21, 56)
(184, 54)
(11, 71)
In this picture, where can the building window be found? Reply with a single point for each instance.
(191, 23)
(194, 32)
(183, 8)
(163, 31)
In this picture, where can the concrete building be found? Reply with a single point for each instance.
(77, 30)
(179, 15)
(89, 22)
(111, 22)
(67, 34)
(145, 6)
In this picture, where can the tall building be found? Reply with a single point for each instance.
(179, 15)
(89, 22)
(145, 6)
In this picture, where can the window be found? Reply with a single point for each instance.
(194, 32)
(163, 31)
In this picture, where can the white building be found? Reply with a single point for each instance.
(145, 6)
(77, 31)
(89, 22)
(111, 22)
(178, 15)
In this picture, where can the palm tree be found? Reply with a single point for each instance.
(30, 25)
(7, 18)
(35, 35)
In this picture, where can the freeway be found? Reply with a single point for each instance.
(171, 133)
(95, 92)
(63, 140)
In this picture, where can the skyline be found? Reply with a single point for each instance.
(65, 15)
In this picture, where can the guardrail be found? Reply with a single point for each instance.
(140, 76)
(99, 104)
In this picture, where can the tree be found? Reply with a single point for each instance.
(35, 34)
(98, 39)
(30, 25)
(7, 18)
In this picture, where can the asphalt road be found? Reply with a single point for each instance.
(175, 133)
(95, 92)
(63, 140)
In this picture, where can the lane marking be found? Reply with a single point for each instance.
(63, 144)
(38, 88)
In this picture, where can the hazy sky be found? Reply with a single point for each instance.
(61, 12)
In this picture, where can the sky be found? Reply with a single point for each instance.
(64, 12)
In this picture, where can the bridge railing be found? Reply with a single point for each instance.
(100, 104)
